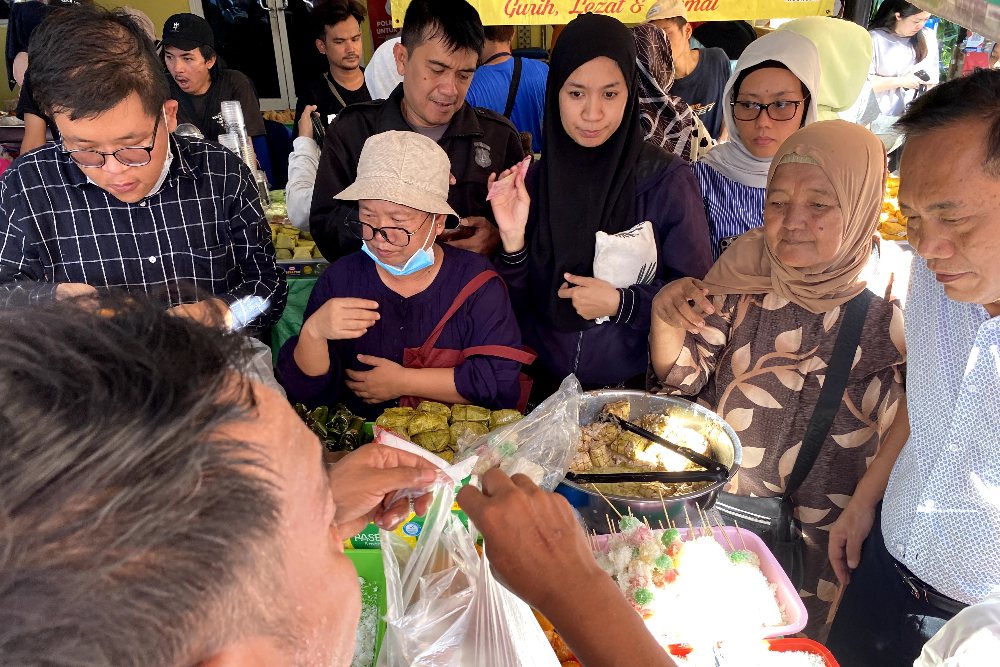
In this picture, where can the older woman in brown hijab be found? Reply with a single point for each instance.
(754, 340)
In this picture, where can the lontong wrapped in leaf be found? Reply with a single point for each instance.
(469, 413)
(434, 408)
(422, 422)
(500, 418)
(433, 441)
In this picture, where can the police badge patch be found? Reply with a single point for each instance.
(483, 155)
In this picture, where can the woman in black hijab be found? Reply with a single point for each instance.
(601, 222)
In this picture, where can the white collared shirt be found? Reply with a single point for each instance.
(941, 513)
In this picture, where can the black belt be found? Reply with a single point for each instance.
(927, 593)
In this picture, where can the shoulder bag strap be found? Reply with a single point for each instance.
(333, 89)
(522, 356)
(515, 81)
(470, 288)
(830, 397)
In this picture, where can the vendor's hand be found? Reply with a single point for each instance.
(683, 304)
(380, 384)
(847, 534)
(910, 81)
(364, 481)
(510, 206)
(209, 312)
(484, 238)
(342, 319)
(305, 122)
(592, 297)
(74, 290)
(536, 546)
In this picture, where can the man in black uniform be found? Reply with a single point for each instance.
(441, 44)
(199, 83)
(338, 38)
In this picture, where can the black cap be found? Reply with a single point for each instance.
(188, 32)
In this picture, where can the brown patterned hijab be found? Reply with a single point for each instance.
(854, 160)
(667, 120)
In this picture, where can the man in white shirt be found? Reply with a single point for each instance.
(936, 545)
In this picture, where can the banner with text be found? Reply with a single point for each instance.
(380, 22)
(556, 12)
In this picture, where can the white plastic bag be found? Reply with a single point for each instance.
(541, 445)
(626, 258)
(444, 608)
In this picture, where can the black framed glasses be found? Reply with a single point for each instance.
(130, 156)
(396, 236)
(777, 110)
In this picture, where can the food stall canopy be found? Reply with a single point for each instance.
(558, 12)
(981, 16)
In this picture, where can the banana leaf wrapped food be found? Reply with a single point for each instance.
(396, 419)
(434, 407)
(469, 413)
(423, 422)
(339, 421)
(460, 428)
(500, 418)
(317, 420)
(353, 434)
(447, 454)
(434, 441)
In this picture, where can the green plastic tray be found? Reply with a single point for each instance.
(368, 563)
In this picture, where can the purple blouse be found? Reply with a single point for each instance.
(485, 319)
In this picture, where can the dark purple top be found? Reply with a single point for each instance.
(612, 353)
(485, 319)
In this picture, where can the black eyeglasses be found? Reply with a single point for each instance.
(130, 156)
(777, 110)
(396, 236)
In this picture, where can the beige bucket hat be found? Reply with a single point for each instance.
(404, 168)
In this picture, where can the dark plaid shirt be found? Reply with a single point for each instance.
(203, 231)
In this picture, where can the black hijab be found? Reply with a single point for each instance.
(581, 191)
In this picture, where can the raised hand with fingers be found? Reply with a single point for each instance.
(683, 304)
(592, 297)
(341, 319)
(510, 201)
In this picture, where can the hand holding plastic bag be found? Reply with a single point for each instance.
(444, 606)
(540, 446)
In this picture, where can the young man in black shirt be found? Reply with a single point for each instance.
(700, 74)
(199, 83)
(338, 37)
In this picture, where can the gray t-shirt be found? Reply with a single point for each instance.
(894, 55)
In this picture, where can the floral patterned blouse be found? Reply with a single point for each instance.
(760, 362)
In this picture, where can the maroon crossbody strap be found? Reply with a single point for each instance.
(471, 288)
(525, 357)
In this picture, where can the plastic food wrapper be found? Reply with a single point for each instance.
(541, 445)
(444, 606)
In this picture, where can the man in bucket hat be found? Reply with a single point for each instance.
(368, 339)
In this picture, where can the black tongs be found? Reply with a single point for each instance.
(709, 464)
(661, 476)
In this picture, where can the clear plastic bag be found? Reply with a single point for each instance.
(444, 607)
(541, 445)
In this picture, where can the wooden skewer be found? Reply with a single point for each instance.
(663, 504)
(705, 522)
(742, 541)
(611, 530)
(661, 524)
(608, 501)
(688, 517)
(725, 534)
(646, 521)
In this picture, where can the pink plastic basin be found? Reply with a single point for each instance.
(788, 597)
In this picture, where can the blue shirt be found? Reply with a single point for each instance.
(941, 513)
(491, 84)
(732, 208)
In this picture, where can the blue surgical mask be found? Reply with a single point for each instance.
(419, 261)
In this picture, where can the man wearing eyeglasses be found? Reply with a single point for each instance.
(119, 202)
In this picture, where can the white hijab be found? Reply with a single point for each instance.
(732, 159)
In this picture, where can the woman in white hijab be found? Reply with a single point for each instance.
(771, 94)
